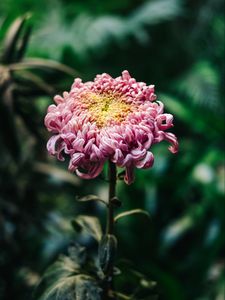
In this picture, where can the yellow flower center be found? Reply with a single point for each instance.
(106, 108)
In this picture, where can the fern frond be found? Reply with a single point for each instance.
(93, 33)
(201, 85)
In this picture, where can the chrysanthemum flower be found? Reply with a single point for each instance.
(114, 119)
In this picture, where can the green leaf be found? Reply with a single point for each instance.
(179, 227)
(121, 175)
(77, 253)
(7, 120)
(23, 43)
(204, 81)
(12, 38)
(156, 11)
(40, 63)
(56, 173)
(88, 34)
(87, 288)
(91, 198)
(116, 202)
(131, 212)
(107, 252)
(148, 284)
(184, 112)
(64, 280)
(122, 296)
(89, 225)
(34, 80)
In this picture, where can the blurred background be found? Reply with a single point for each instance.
(178, 45)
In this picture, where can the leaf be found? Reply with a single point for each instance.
(89, 225)
(184, 112)
(23, 43)
(77, 253)
(148, 284)
(87, 32)
(178, 228)
(121, 175)
(7, 121)
(40, 63)
(29, 115)
(155, 12)
(56, 275)
(131, 212)
(56, 173)
(12, 38)
(87, 288)
(65, 281)
(91, 198)
(107, 252)
(204, 81)
(122, 296)
(115, 201)
(37, 81)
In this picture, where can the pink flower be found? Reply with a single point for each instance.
(113, 119)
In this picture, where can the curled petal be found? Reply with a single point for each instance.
(126, 75)
(88, 146)
(108, 145)
(138, 153)
(159, 107)
(58, 99)
(164, 121)
(127, 161)
(129, 174)
(92, 172)
(118, 157)
(96, 154)
(75, 161)
(60, 150)
(147, 162)
(171, 138)
(78, 144)
(52, 144)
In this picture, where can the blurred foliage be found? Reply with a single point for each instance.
(179, 46)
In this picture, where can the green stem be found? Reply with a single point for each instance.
(110, 221)
(112, 193)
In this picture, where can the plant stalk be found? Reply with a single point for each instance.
(112, 176)
(112, 193)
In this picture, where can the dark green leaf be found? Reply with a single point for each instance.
(34, 80)
(122, 296)
(116, 202)
(23, 43)
(57, 173)
(87, 288)
(43, 64)
(131, 212)
(63, 283)
(59, 280)
(89, 225)
(12, 38)
(77, 253)
(107, 252)
(148, 284)
(156, 11)
(7, 120)
(91, 198)
(204, 81)
(121, 175)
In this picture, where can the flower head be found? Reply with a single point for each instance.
(109, 118)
